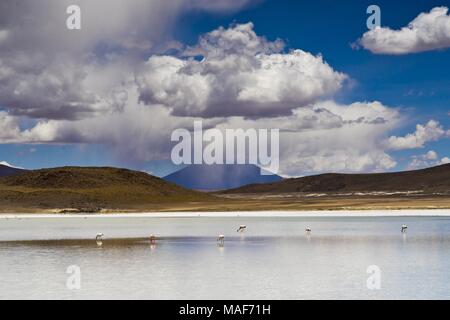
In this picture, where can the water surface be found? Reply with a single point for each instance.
(273, 259)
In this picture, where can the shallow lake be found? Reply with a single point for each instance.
(273, 259)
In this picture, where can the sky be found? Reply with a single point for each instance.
(345, 98)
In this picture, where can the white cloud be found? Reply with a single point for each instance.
(321, 138)
(135, 134)
(431, 155)
(41, 25)
(431, 131)
(330, 137)
(47, 71)
(342, 161)
(428, 31)
(240, 74)
(429, 159)
(9, 128)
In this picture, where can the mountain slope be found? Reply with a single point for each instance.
(436, 179)
(90, 188)
(219, 177)
(9, 171)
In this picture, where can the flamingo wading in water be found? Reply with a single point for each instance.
(241, 228)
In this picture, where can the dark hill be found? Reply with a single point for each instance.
(84, 188)
(219, 176)
(436, 179)
(6, 171)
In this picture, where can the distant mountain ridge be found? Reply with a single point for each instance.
(435, 179)
(8, 170)
(81, 189)
(219, 176)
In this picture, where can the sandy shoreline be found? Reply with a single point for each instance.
(249, 214)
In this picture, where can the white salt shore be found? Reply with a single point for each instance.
(256, 214)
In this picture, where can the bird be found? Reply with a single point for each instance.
(308, 230)
(99, 239)
(152, 238)
(404, 228)
(241, 228)
(221, 239)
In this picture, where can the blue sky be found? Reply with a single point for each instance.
(417, 84)
(328, 27)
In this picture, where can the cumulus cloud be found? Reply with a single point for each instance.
(431, 131)
(324, 137)
(55, 91)
(329, 137)
(429, 159)
(64, 88)
(47, 71)
(41, 24)
(325, 115)
(9, 128)
(136, 134)
(431, 155)
(428, 31)
(355, 145)
(342, 161)
(239, 74)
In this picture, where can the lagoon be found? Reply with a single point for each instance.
(273, 259)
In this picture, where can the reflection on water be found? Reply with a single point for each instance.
(273, 259)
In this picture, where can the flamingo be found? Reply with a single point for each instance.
(99, 239)
(241, 228)
(404, 228)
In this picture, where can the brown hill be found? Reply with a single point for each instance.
(431, 180)
(90, 189)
